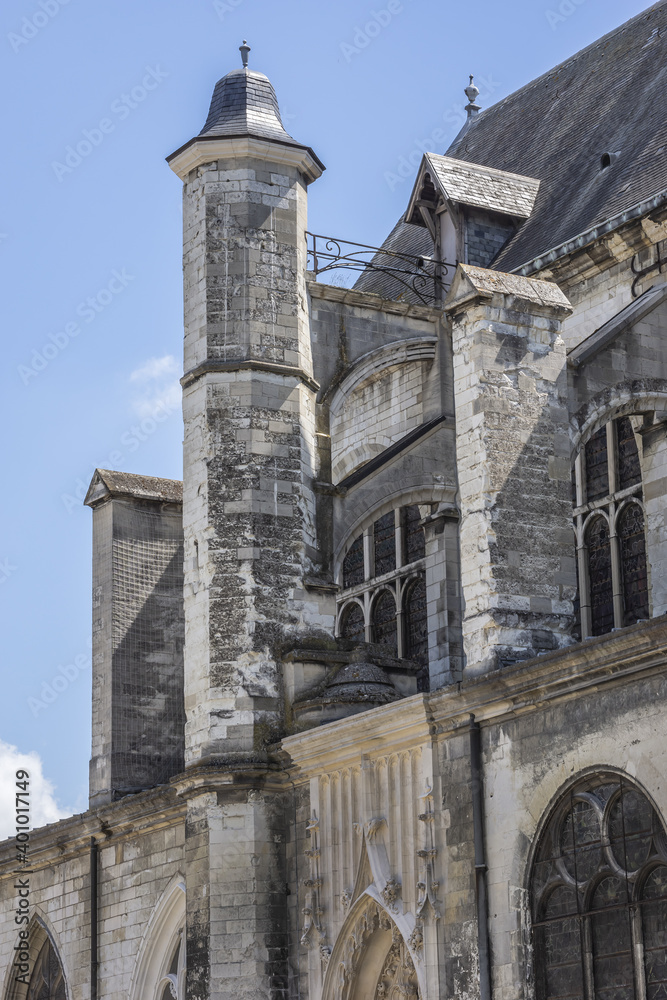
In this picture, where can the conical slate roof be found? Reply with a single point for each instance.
(244, 103)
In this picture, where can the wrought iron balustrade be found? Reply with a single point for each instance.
(421, 276)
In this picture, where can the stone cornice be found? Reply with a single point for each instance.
(248, 364)
(589, 666)
(130, 816)
(218, 773)
(204, 149)
(593, 234)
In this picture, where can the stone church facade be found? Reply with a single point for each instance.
(379, 691)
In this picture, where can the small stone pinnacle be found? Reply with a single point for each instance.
(245, 49)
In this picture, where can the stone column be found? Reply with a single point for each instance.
(513, 455)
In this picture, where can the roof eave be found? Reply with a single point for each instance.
(203, 148)
(591, 235)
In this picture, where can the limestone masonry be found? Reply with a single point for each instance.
(380, 690)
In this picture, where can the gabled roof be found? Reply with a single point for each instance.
(465, 183)
(606, 99)
(106, 483)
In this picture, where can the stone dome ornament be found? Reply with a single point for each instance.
(245, 49)
(355, 687)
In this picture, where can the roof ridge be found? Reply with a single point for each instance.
(598, 42)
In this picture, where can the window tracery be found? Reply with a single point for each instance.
(384, 589)
(47, 981)
(610, 530)
(599, 896)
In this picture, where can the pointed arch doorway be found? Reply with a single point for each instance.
(370, 960)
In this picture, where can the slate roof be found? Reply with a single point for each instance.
(608, 98)
(484, 187)
(404, 238)
(244, 103)
(106, 482)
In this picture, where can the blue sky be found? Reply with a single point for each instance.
(91, 253)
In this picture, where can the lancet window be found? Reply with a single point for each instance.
(599, 896)
(47, 981)
(610, 530)
(383, 586)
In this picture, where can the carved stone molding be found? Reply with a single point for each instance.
(427, 886)
(313, 932)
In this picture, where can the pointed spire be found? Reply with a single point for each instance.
(245, 49)
(472, 93)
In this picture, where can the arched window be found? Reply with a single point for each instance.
(352, 622)
(630, 530)
(47, 981)
(383, 621)
(599, 896)
(383, 586)
(609, 523)
(601, 591)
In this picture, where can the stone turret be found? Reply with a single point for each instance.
(248, 408)
(248, 520)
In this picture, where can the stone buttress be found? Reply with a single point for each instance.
(513, 454)
(248, 518)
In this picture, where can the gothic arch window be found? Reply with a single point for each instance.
(599, 896)
(610, 530)
(352, 624)
(47, 981)
(383, 597)
(383, 620)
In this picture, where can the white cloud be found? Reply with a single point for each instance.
(160, 387)
(43, 806)
(156, 368)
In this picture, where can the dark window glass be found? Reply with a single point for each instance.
(384, 621)
(654, 927)
(173, 968)
(597, 473)
(416, 630)
(384, 536)
(353, 563)
(629, 469)
(558, 941)
(414, 545)
(599, 844)
(612, 941)
(633, 563)
(47, 982)
(352, 622)
(416, 623)
(599, 575)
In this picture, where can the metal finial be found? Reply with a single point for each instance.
(244, 50)
(472, 93)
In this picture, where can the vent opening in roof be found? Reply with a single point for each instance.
(607, 159)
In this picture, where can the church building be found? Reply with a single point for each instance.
(380, 689)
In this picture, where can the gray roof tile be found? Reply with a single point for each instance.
(608, 98)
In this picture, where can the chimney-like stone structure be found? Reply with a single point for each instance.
(518, 572)
(138, 713)
(248, 518)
